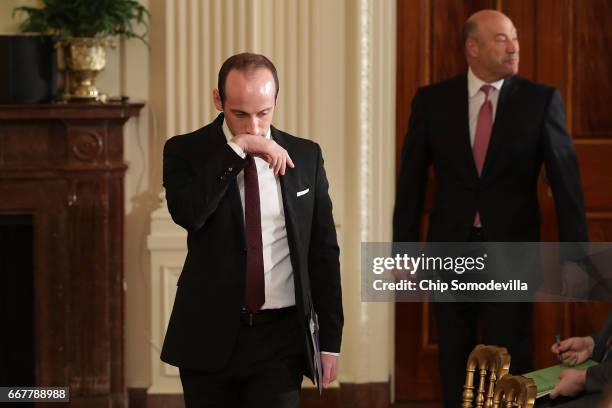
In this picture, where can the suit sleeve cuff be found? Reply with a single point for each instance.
(596, 378)
(330, 353)
(237, 149)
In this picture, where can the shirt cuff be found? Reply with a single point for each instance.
(330, 353)
(237, 149)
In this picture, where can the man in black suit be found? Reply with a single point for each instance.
(262, 251)
(487, 133)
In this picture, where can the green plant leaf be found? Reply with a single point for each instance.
(86, 18)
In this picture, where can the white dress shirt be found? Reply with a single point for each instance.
(477, 97)
(278, 273)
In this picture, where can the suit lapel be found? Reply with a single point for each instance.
(233, 194)
(236, 207)
(288, 185)
(498, 133)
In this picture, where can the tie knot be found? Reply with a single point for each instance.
(486, 89)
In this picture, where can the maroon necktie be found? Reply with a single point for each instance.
(483, 135)
(254, 292)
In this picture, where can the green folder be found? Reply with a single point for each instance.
(546, 378)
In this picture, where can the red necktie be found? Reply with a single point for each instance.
(483, 135)
(254, 292)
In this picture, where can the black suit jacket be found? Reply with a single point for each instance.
(200, 179)
(599, 376)
(529, 130)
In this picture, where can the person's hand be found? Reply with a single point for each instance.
(571, 383)
(329, 364)
(277, 158)
(574, 350)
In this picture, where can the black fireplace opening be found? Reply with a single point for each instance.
(17, 353)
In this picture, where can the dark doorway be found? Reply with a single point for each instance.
(16, 301)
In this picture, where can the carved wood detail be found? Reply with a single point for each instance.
(64, 165)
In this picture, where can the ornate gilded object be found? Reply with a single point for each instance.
(84, 58)
(491, 363)
(514, 391)
(84, 29)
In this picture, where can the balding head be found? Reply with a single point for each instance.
(483, 18)
(491, 45)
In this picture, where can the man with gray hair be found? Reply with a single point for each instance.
(486, 133)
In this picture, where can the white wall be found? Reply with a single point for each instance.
(8, 24)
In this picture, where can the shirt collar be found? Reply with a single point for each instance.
(228, 133)
(475, 83)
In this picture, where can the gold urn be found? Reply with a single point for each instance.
(83, 58)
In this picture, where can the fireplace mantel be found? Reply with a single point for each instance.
(64, 165)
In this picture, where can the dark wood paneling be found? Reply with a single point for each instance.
(523, 14)
(564, 43)
(447, 18)
(551, 45)
(367, 395)
(595, 156)
(420, 25)
(331, 398)
(586, 317)
(548, 320)
(600, 227)
(416, 375)
(412, 23)
(592, 61)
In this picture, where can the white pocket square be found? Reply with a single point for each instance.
(301, 193)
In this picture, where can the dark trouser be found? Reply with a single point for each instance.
(265, 370)
(503, 324)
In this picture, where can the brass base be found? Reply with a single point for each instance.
(83, 58)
